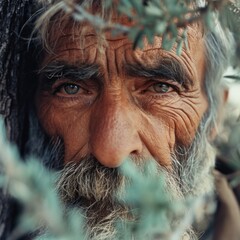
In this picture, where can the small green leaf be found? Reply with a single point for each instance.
(154, 11)
(160, 27)
(149, 33)
(168, 41)
(179, 47)
(137, 6)
(234, 77)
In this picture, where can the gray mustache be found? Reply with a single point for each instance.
(88, 179)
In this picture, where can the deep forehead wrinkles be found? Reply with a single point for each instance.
(118, 55)
(81, 44)
(152, 59)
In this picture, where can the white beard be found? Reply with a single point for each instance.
(91, 187)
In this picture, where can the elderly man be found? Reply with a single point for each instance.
(102, 102)
(106, 102)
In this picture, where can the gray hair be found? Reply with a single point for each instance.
(219, 49)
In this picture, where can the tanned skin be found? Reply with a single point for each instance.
(128, 102)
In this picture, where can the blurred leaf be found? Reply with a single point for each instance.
(152, 10)
(138, 40)
(234, 77)
(160, 28)
(168, 42)
(179, 47)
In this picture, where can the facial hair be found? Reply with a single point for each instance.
(89, 186)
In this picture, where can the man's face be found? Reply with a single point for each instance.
(112, 103)
(117, 102)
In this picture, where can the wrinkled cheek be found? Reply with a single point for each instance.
(180, 126)
(188, 121)
(185, 130)
(46, 117)
(70, 126)
(54, 121)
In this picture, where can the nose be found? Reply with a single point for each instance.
(114, 133)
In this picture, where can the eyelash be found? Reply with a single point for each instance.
(161, 96)
(56, 89)
(64, 99)
(70, 100)
(173, 86)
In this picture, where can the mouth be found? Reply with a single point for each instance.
(82, 202)
(87, 203)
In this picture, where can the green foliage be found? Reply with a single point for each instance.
(157, 18)
(33, 186)
(149, 200)
(166, 18)
(154, 207)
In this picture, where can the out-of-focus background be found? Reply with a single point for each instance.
(234, 91)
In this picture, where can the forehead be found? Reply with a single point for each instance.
(74, 42)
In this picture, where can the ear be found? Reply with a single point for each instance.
(220, 114)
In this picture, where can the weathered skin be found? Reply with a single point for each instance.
(124, 115)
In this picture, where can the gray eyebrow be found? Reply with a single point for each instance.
(167, 68)
(59, 69)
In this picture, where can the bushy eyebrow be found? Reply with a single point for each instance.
(167, 68)
(52, 72)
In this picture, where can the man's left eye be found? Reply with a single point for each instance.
(160, 88)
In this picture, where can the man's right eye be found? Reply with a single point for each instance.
(67, 89)
(70, 89)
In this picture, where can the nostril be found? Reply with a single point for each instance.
(135, 152)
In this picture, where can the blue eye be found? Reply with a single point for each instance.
(71, 89)
(160, 88)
